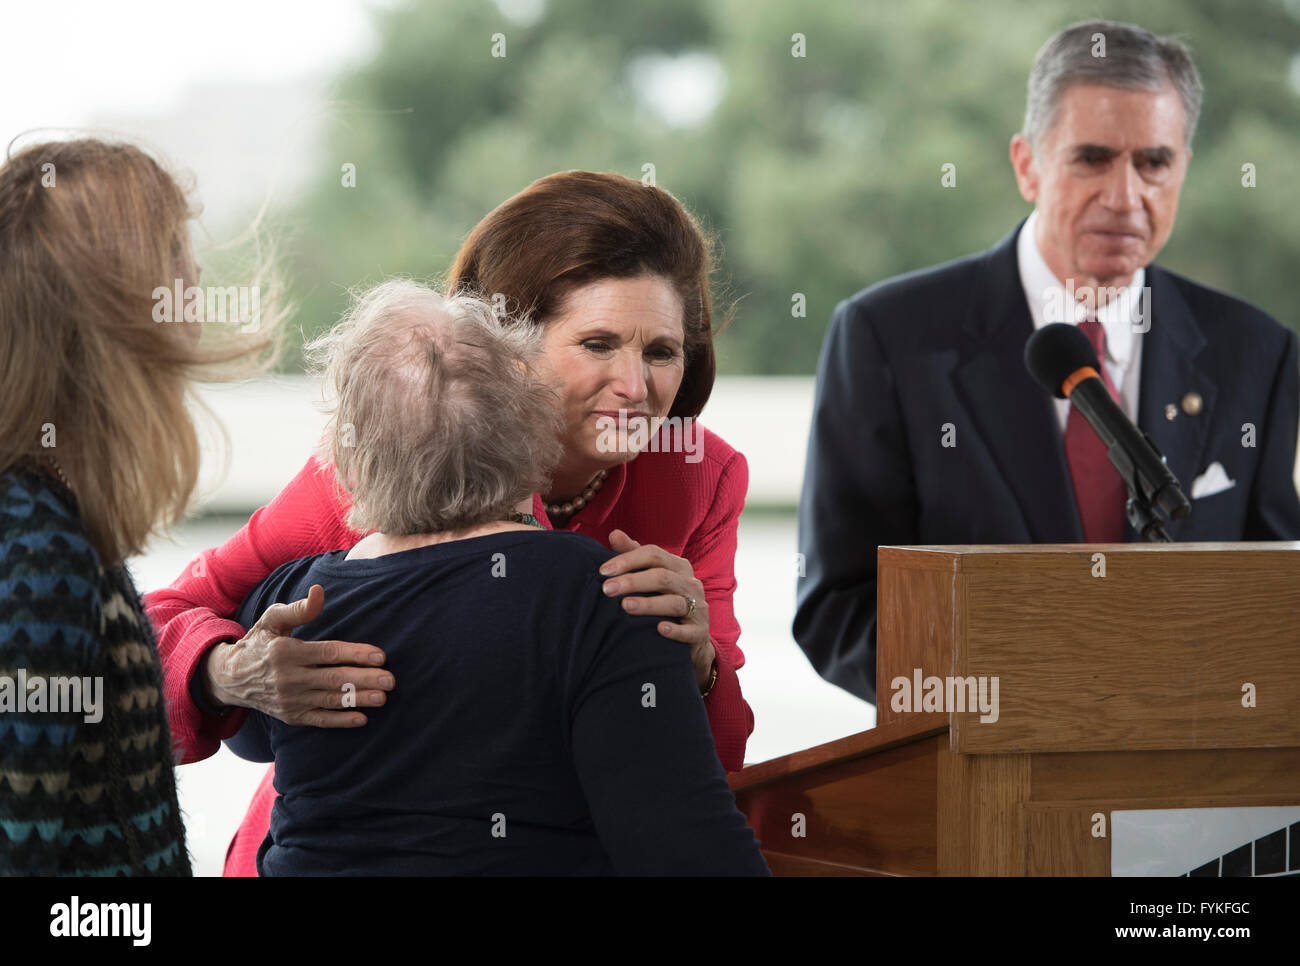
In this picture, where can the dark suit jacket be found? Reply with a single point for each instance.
(944, 345)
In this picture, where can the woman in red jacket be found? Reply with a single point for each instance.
(618, 273)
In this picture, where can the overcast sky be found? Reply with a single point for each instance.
(86, 59)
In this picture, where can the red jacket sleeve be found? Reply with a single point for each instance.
(712, 553)
(192, 615)
(730, 717)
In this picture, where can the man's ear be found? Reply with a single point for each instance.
(1022, 162)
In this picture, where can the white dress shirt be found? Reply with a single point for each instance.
(1121, 318)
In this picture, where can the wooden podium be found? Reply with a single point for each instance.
(1129, 676)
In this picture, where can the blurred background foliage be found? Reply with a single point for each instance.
(817, 174)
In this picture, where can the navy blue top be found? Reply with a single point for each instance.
(535, 729)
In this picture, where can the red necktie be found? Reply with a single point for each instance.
(1098, 488)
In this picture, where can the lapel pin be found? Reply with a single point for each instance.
(1192, 403)
(1170, 412)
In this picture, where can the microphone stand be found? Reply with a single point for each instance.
(1142, 514)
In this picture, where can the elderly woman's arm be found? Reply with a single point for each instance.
(252, 742)
(193, 616)
(706, 571)
(641, 746)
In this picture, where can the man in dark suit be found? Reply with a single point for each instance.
(927, 428)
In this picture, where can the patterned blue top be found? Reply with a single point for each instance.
(86, 779)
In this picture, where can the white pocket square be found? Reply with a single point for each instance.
(1213, 480)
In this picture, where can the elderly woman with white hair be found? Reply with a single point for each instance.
(539, 729)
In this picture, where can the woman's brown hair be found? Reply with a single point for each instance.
(89, 231)
(576, 227)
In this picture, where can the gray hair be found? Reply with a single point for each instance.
(1135, 59)
(438, 420)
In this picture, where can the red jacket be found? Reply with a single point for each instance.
(689, 509)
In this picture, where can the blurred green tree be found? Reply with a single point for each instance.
(819, 174)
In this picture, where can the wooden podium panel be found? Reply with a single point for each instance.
(1117, 692)
(882, 804)
(868, 805)
(1154, 654)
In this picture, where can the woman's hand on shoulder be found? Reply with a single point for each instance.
(298, 682)
(672, 585)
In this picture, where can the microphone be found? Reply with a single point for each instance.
(1063, 361)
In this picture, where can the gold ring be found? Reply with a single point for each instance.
(690, 607)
